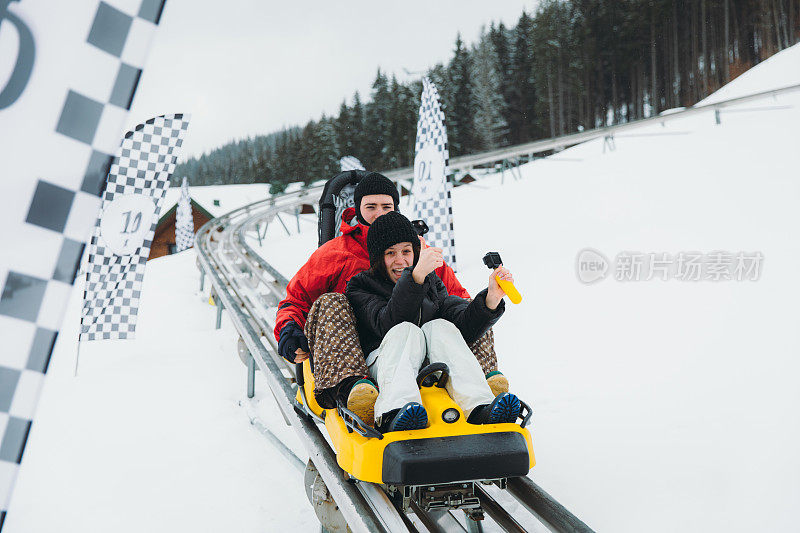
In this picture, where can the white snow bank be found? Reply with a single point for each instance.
(658, 406)
(780, 70)
(219, 199)
(150, 435)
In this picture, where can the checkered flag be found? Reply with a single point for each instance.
(431, 190)
(120, 244)
(184, 224)
(349, 162)
(60, 129)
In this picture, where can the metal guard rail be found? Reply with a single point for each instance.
(466, 162)
(357, 512)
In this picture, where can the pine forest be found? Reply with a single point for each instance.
(569, 66)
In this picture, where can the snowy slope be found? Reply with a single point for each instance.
(659, 405)
(150, 436)
(780, 70)
(219, 199)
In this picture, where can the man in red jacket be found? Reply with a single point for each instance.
(315, 318)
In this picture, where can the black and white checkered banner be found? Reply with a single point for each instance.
(431, 190)
(120, 245)
(68, 74)
(184, 223)
(349, 162)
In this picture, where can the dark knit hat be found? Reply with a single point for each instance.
(386, 231)
(374, 183)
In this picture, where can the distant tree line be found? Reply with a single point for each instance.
(572, 65)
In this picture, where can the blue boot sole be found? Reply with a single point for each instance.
(505, 408)
(411, 416)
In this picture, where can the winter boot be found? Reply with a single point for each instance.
(361, 400)
(411, 416)
(505, 408)
(497, 382)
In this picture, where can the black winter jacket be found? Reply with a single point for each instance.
(379, 305)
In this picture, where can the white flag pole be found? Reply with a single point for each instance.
(77, 358)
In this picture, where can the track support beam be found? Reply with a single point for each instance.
(251, 376)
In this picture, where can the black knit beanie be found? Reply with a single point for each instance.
(374, 183)
(386, 231)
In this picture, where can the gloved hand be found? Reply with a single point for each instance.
(292, 338)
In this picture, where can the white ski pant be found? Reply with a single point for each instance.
(400, 357)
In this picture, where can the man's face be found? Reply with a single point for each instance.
(375, 205)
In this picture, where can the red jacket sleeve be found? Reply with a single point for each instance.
(310, 282)
(450, 281)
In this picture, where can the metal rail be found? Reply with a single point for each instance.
(545, 507)
(468, 162)
(498, 514)
(354, 507)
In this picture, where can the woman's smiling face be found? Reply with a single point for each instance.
(396, 258)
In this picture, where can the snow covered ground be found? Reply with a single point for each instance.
(219, 199)
(659, 405)
(150, 435)
(780, 70)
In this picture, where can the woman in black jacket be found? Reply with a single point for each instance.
(404, 314)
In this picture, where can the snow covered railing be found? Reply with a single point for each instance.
(468, 162)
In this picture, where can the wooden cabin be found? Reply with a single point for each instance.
(164, 236)
(208, 201)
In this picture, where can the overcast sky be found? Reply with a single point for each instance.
(249, 67)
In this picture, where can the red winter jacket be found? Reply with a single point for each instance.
(329, 269)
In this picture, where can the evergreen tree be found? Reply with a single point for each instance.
(281, 160)
(440, 77)
(522, 95)
(341, 124)
(312, 164)
(408, 105)
(394, 138)
(263, 169)
(490, 126)
(325, 151)
(298, 169)
(356, 127)
(376, 125)
(499, 38)
(461, 120)
(402, 125)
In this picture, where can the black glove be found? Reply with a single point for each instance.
(292, 338)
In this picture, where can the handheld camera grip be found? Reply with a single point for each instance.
(493, 260)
